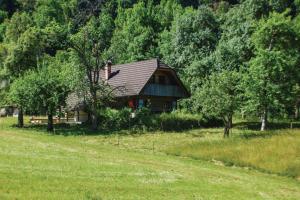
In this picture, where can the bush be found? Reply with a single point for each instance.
(145, 120)
(115, 119)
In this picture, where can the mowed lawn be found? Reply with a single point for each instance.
(37, 165)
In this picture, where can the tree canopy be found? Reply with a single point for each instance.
(206, 41)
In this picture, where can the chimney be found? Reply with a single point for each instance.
(108, 69)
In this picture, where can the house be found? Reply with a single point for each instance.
(149, 83)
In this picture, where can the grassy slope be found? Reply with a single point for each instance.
(35, 165)
(273, 151)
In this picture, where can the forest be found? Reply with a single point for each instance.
(236, 57)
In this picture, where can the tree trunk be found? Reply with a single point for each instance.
(297, 111)
(226, 132)
(21, 118)
(243, 115)
(264, 120)
(50, 123)
(228, 125)
(230, 121)
(94, 116)
(94, 121)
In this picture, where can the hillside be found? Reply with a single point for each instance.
(37, 165)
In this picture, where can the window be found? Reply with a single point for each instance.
(141, 103)
(162, 80)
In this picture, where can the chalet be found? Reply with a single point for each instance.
(149, 83)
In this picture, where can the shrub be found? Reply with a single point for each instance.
(145, 120)
(115, 119)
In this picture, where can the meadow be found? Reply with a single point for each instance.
(273, 152)
(146, 165)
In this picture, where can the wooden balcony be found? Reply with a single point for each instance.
(163, 90)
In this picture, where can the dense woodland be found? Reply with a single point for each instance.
(235, 56)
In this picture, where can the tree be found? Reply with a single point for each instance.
(89, 45)
(19, 96)
(3, 17)
(220, 97)
(296, 100)
(188, 48)
(85, 9)
(43, 90)
(166, 12)
(18, 56)
(187, 42)
(134, 37)
(27, 40)
(296, 89)
(17, 25)
(272, 72)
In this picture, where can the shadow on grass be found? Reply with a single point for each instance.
(84, 129)
(167, 125)
(255, 132)
(67, 129)
(271, 125)
(246, 129)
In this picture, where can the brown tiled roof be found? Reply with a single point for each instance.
(132, 76)
(128, 80)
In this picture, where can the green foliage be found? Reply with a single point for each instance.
(95, 37)
(166, 13)
(24, 54)
(47, 12)
(17, 25)
(135, 35)
(115, 119)
(55, 38)
(18, 94)
(186, 42)
(3, 16)
(220, 97)
(43, 90)
(89, 46)
(143, 120)
(197, 38)
(273, 71)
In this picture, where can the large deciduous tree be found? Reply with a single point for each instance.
(193, 36)
(90, 45)
(135, 35)
(273, 70)
(43, 90)
(20, 42)
(220, 96)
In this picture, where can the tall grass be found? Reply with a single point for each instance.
(276, 152)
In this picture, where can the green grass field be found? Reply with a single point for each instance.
(37, 165)
(273, 152)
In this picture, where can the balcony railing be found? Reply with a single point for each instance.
(163, 90)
